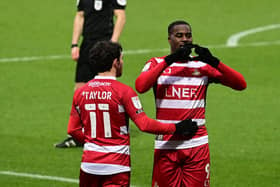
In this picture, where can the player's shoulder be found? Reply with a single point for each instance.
(82, 4)
(152, 62)
(120, 86)
(156, 59)
(124, 89)
(78, 92)
(79, 2)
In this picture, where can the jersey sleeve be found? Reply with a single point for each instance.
(119, 4)
(230, 77)
(149, 74)
(135, 111)
(80, 6)
(74, 124)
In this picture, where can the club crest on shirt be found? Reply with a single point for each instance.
(195, 72)
(98, 4)
(136, 102)
(121, 2)
(167, 70)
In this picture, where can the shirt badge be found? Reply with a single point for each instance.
(196, 72)
(136, 102)
(98, 4)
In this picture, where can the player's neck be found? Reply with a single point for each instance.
(107, 74)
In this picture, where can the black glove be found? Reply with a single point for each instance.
(186, 127)
(181, 53)
(205, 55)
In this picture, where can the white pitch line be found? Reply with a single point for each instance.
(45, 177)
(233, 40)
(37, 176)
(34, 58)
(130, 52)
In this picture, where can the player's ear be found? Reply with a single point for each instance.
(116, 63)
(169, 38)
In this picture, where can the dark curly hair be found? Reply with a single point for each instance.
(102, 55)
(173, 24)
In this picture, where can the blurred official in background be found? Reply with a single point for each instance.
(94, 21)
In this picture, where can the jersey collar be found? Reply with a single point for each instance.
(105, 77)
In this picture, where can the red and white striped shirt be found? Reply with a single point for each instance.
(180, 93)
(102, 107)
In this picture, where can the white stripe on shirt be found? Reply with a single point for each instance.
(190, 64)
(123, 149)
(103, 169)
(180, 104)
(176, 80)
(200, 122)
(181, 144)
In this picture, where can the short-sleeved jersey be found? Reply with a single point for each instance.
(98, 14)
(180, 93)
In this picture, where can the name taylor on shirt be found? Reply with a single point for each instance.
(97, 95)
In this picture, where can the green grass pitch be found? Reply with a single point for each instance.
(36, 95)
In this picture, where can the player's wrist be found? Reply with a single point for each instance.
(186, 127)
(169, 59)
(214, 62)
(74, 45)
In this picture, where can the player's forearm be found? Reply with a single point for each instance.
(77, 27)
(231, 78)
(75, 129)
(146, 124)
(78, 135)
(148, 78)
(119, 25)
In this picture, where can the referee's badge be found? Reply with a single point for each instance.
(98, 4)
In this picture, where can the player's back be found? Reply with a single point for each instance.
(102, 111)
(105, 123)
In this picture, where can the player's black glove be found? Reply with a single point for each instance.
(205, 55)
(186, 127)
(181, 53)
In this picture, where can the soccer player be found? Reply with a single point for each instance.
(101, 108)
(180, 82)
(93, 21)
